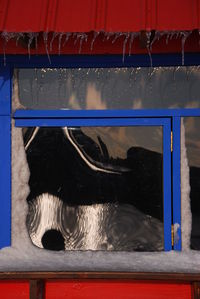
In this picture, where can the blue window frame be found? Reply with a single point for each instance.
(116, 120)
(167, 117)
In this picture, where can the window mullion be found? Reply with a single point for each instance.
(176, 179)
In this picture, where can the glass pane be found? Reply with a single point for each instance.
(95, 188)
(192, 143)
(109, 88)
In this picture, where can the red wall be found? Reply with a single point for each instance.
(116, 290)
(99, 289)
(14, 289)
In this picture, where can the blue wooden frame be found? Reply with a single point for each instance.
(23, 114)
(75, 61)
(176, 178)
(5, 157)
(164, 122)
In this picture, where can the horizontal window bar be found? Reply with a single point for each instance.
(105, 113)
(63, 122)
(69, 61)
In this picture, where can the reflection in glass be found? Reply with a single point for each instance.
(110, 88)
(95, 188)
(192, 141)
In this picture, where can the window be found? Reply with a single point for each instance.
(110, 171)
(106, 180)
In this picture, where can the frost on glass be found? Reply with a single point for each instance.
(109, 88)
(192, 143)
(95, 188)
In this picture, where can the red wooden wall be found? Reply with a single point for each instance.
(99, 289)
(14, 289)
(116, 290)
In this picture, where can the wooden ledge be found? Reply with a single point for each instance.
(182, 277)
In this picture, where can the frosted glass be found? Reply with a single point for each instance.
(109, 88)
(192, 143)
(95, 188)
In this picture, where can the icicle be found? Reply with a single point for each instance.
(156, 37)
(79, 37)
(19, 35)
(160, 34)
(45, 37)
(36, 41)
(133, 35)
(124, 45)
(55, 34)
(96, 33)
(59, 42)
(108, 35)
(167, 38)
(117, 35)
(199, 37)
(177, 34)
(6, 36)
(148, 35)
(185, 35)
(170, 36)
(31, 36)
(76, 37)
(67, 36)
(82, 38)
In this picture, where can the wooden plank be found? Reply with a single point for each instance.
(181, 277)
(196, 290)
(36, 289)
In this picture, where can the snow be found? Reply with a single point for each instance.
(186, 216)
(35, 259)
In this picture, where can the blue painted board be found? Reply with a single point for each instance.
(176, 177)
(167, 184)
(84, 122)
(5, 90)
(105, 113)
(75, 61)
(5, 181)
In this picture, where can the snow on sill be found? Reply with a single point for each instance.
(20, 260)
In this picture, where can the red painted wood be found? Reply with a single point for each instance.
(97, 15)
(14, 289)
(102, 289)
